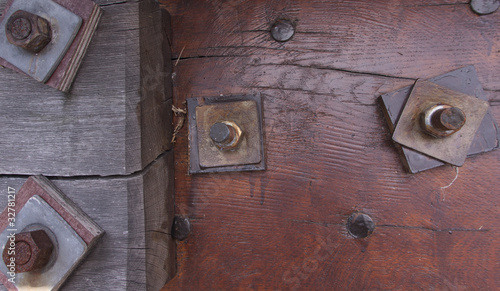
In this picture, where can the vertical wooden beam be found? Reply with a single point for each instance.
(106, 145)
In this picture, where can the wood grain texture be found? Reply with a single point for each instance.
(119, 261)
(115, 120)
(329, 151)
(106, 144)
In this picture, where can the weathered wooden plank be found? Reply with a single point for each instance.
(328, 149)
(115, 122)
(119, 261)
(381, 37)
(115, 119)
(337, 123)
(320, 256)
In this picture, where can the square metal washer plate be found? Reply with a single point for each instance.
(452, 149)
(246, 112)
(464, 80)
(65, 26)
(70, 248)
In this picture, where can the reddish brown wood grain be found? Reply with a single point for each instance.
(329, 152)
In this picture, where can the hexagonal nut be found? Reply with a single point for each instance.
(28, 31)
(32, 251)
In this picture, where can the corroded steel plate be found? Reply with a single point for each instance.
(246, 112)
(464, 80)
(452, 149)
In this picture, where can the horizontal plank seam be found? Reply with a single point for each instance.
(300, 66)
(344, 71)
(313, 93)
(116, 3)
(393, 226)
(438, 4)
(160, 232)
(94, 177)
(433, 229)
(209, 56)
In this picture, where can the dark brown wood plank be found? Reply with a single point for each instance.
(328, 149)
(115, 120)
(328, 37)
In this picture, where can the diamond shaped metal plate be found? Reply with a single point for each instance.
(452, 149)
(464, 80)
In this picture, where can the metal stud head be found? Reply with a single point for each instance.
(28, 31)
(360, 225)
(483, 7)
(221, 133)
(443, 120)
(226, 135)
(181, 228)
(282, 30)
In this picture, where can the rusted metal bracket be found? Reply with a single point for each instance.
(225, 134)
(422, 149)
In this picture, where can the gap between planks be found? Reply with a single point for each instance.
(95, 177)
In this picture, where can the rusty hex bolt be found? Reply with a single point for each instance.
(226, 135)
(28, 31)
(360, 225)
(31, 251)
(443, 120)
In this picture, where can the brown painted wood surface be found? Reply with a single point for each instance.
(329, 152)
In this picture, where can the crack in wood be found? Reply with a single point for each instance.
(94, 177)
(451, 229)
(433, 229)
(437, 4)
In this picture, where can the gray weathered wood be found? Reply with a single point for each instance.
(118, 261)
(107, 124)
(105, 144)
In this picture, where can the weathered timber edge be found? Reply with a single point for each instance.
(106, 143)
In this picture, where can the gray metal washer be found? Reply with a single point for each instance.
(65, 26)
(70, 246)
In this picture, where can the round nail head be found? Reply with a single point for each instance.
(282, 30)
(483, 7)
(360, 225)
(220, 132)
(181, 228)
